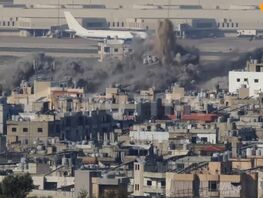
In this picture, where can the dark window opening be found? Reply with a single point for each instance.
(25, 129)
(39, 130)
(163, 183)
(149, 183)
(107, 49)
(212, 186)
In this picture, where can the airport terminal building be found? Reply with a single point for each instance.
(192, 17)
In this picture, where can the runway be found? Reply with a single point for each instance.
(210, 49)
(20, 46)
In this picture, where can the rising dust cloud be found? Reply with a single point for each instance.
(177, 64)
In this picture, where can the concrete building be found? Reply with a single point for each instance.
(176, 93)
(247, 83)
(214, 183)
(115, 49)
(96, 185)
(147, 183)
(26, 131)
(39, 18)
(43, 96)
(4, 113)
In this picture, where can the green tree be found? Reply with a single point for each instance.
(83, 194)
(16, 186)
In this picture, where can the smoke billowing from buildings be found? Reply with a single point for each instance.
(131, 73)
(165, 41)
(180, 65)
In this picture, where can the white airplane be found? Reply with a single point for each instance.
(80, 31)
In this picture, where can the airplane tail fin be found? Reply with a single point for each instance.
(73, 24)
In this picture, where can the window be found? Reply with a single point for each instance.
(13, 129)
(245, 79)
(236, 24)
(163, 183)
(137, 167)
(118, 24)
(137, 187)
(116, 49)
(238, 79)
(149, 183)
(107, 49)
(232, 25)
(227, 25)
(255, 80)
(113, 24)
(3, 23)
(25, 129)
(204, 25)
(108, 24)
(180, 166)
(39, 130)
(218, 24)
(203, 139)
(223, 25)
(122, 24)
(212, 186)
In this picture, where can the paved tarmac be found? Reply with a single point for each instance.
(211, 49)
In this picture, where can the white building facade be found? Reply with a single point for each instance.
(245, 79)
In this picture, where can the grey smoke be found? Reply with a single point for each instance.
(216, 73)
(130, 73)
(180, 65)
